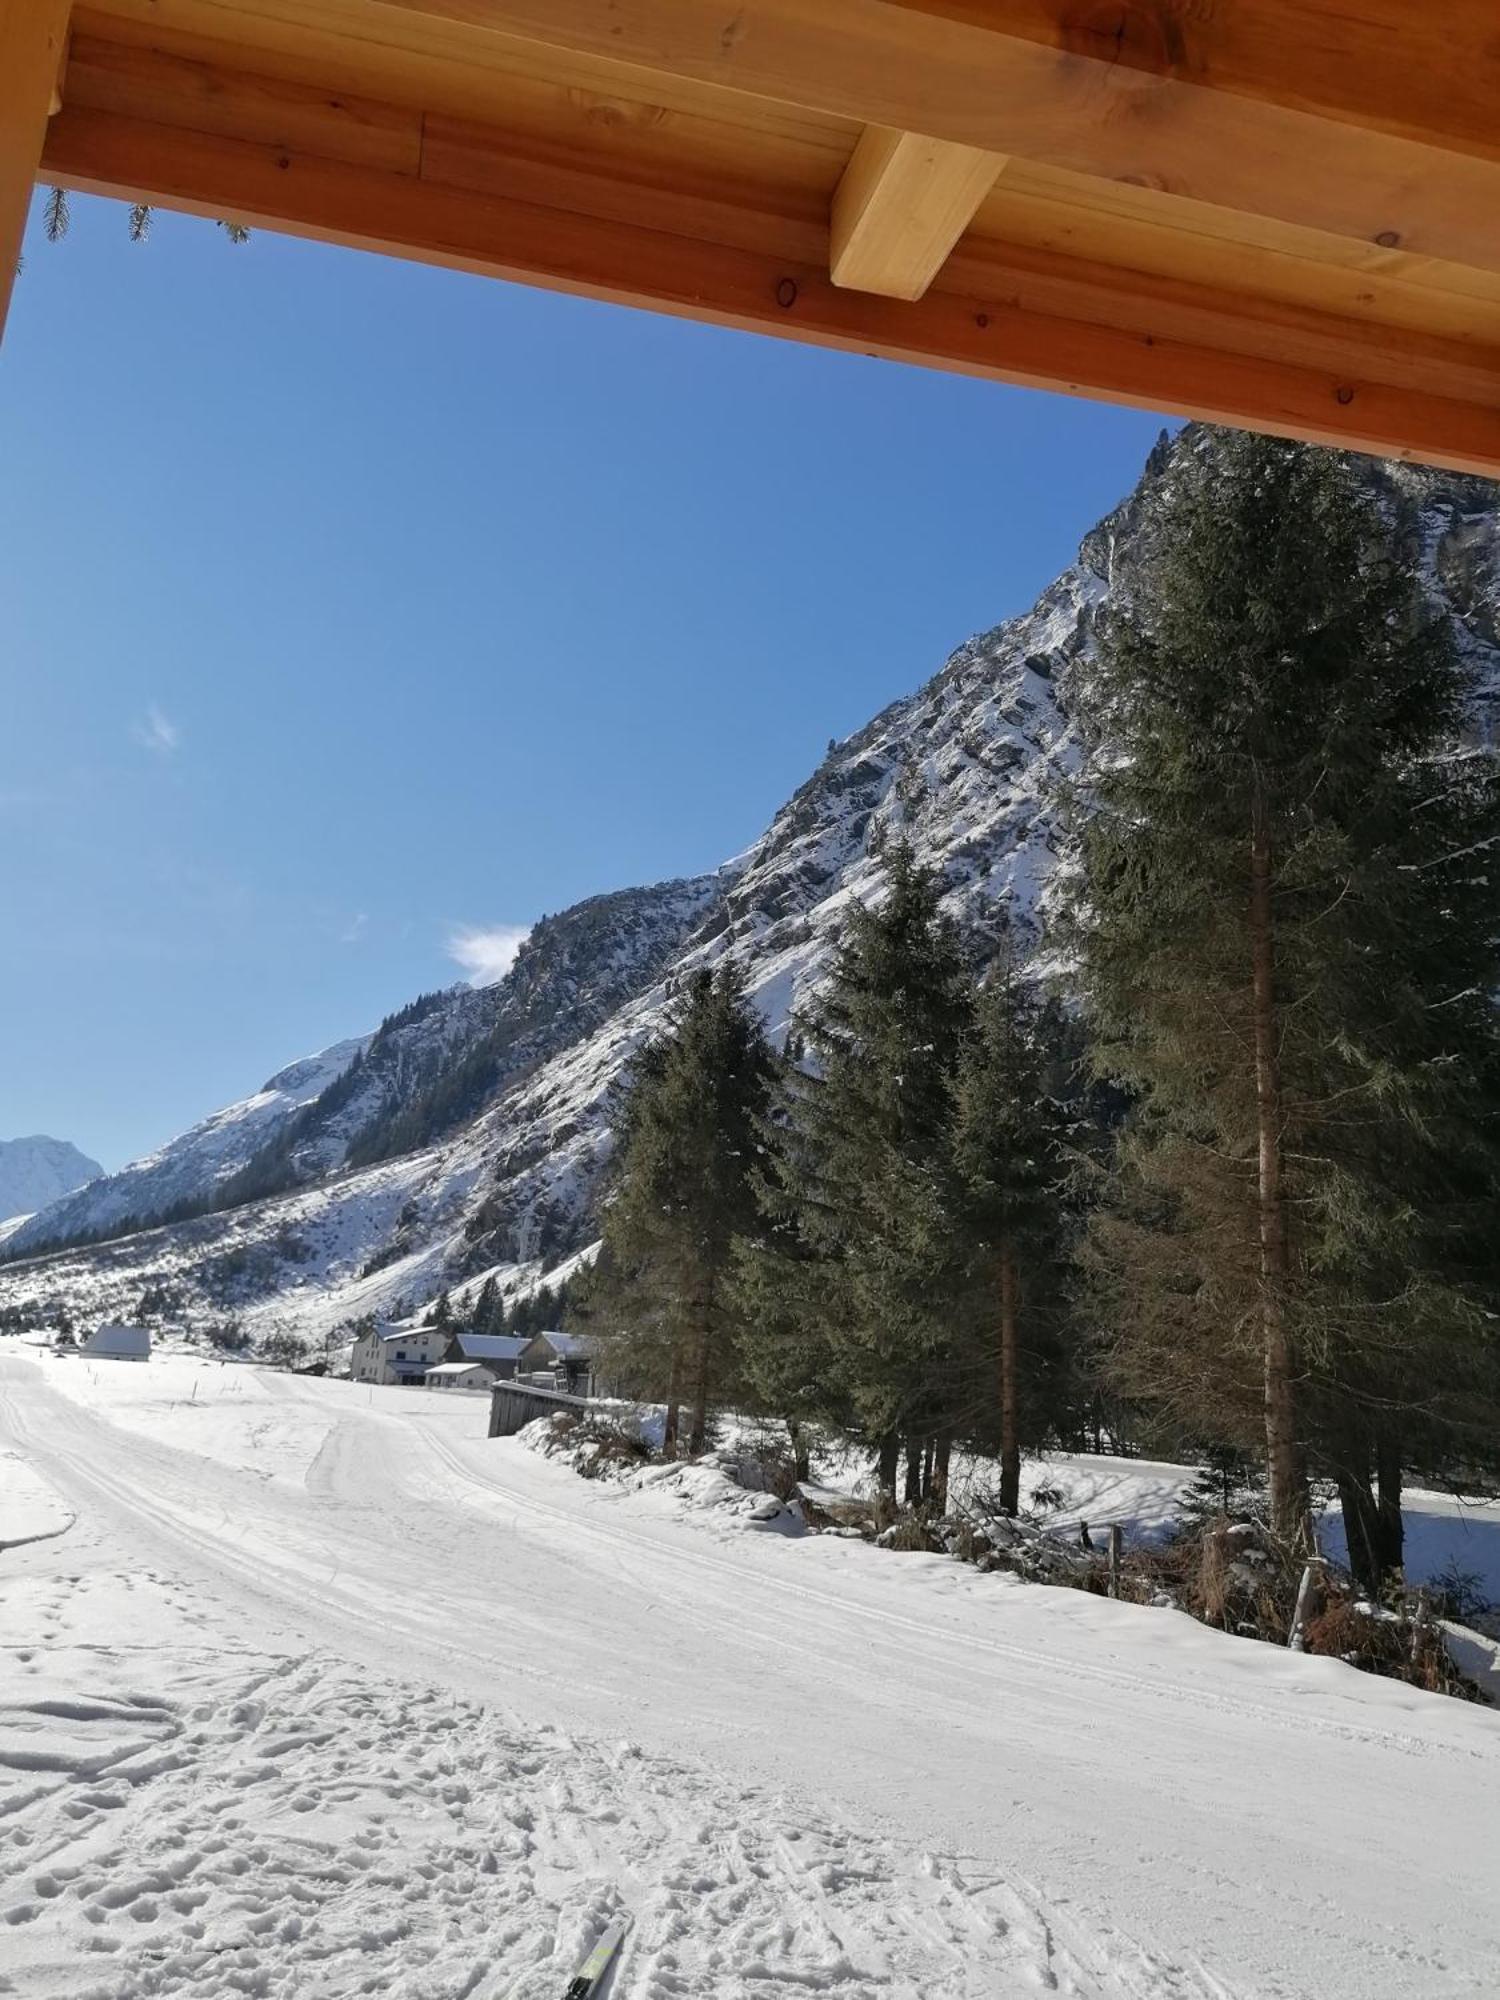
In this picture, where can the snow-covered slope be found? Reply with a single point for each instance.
(487, 1154)
(37, 1171)
(314, 1691)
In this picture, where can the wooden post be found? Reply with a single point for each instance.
(33, 34)
(1115, 1540)
(1419, 1627)
(1306, 1592)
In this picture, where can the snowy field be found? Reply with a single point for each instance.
(308, 1689)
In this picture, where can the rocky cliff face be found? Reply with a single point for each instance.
(480, 1144)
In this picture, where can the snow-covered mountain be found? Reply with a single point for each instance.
(186, 1170)
(37, 1171)
(470, 1133)
(425, 1071)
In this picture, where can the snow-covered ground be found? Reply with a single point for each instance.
(319, 1692)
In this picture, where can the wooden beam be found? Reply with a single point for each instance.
(32, 38)
(1309, 376)
(920, 71)
(902, 204)
(54, 102)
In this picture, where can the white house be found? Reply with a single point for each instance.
(500, 1352)
(118, 1343)
(391, 1352)
(461, 1375)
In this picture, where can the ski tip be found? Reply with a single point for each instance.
(588, 1980)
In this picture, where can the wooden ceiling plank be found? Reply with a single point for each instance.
(1125, 203)
(1070, 287)
(951, 79)
(1391, 65)
(430, 59)
(198, 96)
(902, 204)
(463, 154)
(1283, 267)
(798, 156)
(335, 201)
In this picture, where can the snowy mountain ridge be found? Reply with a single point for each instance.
(187, 1168)
(482, 1149)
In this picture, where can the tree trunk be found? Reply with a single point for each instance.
(1288, 1478)
(927, 1456)
(1361, 1525)
(940, 1460)
(801, 1461)
(890, 1465)
(703, 1316)
(1389, 1529)
(913, 1472)
(1010, 1389)
(674, 1394)
(698, 1434)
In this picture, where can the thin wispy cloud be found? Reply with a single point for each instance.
(156, 732)
(355, 929)
(487, 953)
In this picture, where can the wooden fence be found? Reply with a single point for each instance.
(513, 1405)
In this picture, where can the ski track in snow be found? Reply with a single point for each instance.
(364, 1703)
(293, 1830)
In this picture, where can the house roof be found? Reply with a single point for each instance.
(107, 1339)
(459, 1368)
(568, 1346)
(493, 1346)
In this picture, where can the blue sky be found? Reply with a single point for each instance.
(354, 608)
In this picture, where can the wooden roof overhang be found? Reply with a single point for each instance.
(1277, 213)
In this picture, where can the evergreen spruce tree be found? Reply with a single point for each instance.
(489, 1313)
(1288, 947)
(860, 1254)
(1229, 1486)
(665, 1316)
(779, 1280)
(1011, 1166)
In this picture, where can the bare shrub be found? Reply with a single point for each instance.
(912, 1532)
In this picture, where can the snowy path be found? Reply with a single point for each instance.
(445, 1700)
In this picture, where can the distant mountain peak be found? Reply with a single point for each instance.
(37, 1170)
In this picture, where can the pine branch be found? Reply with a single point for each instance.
(55, 216)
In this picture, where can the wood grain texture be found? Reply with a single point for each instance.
(918, 70)
(902, 204)
(1422, 72)
(1051, 325)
